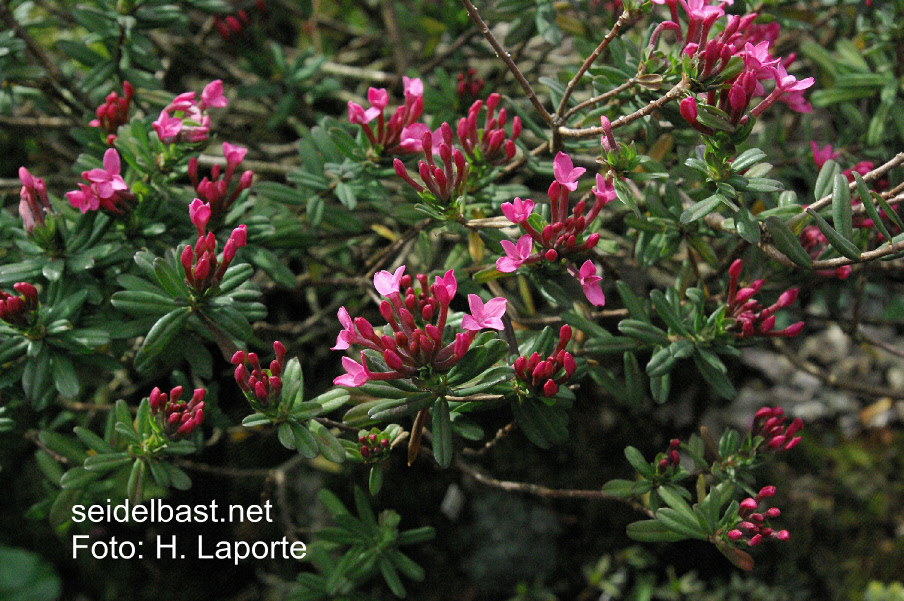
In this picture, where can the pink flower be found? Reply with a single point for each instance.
(516, 254)
(348, 332)
(234, 154)
(518, 211)
(212, 95)
(356, 373)
(413, 87)
(199, 213)
(590, 283)
(167, 127)
(358, 116)
(107, 181)
(378, 98)
(388, 283)
(565, 171)
(758, 58)
(449, 284)
(484, 316)
(604, 191)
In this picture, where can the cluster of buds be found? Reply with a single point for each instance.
(754, 524)
(401, 134)
(217, 190)
(751, 318)
(565, 234)
(769, 424)
(202, 269)
(177, 419)
(375, 445)
(445, 183)
(20, 310)
(740, 37)
(185, 119)
(417, 320)
(815, 242)
(469, 85)
(547, 375)
(262, 386)
(33, 204)
(490, 143)
(672, 459)
(233, 26)
(106, 190)
(114, 112)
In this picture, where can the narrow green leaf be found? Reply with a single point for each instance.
(788, 243)
(305, 442)
(643, 331)
(652, 531)
(160, 334)
(135, 486)
(635, 385)
(869, 205)
(686, 526)
(841, 208)
(632, 302)
(701, 209)
(106, 461)
(661, 363)
(442, 433)
(826, 178)
(845, 247)
(329, 445)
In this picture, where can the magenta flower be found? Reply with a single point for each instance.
(356, 373)
(378, 98)
(167, 127)
(590, 283)
(107, 181)
(484, 315)
(347, 335)
(519, 210)
(234, 154)
(387, 283)
(565, 172)
(358, 116)
(449, 284)
(212, 95)
(33, 203)
(199, 213)
(413, 87)
(604, 191)
(515, 254)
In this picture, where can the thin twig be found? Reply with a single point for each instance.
(500, 435)
(502, 54)
(601, 98)
(569, 89)
(399, 47)
(589, 132)
(548, 493)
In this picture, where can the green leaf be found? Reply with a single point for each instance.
(542, 424)
(747, 159)
(306, 443)
(661, 363)
(375, 480)
(329, 446)
(826, 178)
(845, 247)
(392, 578)
(841, 207)
(702, 208)
(866, 198)
(652, 531)
(106, 461)
(714, 372)
(632, 302)
(747, 226)
(92, 440)
(53, 269)
(442, 433)
(171, 280)
(78, 477)
(64, 375)
(160, 335)
(135, 486)
(634, 380)
(346, 195)
(627, 488)
(416, 535)
(26, 576)
(635, 458)
(668, 313)
(643, 331)
(788, 243)
(679, 522)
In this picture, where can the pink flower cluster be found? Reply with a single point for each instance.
(114, 112)
(233, 26)
(33, 203)
(261, 385)
(469, 85)
(489, 143)
(672, 459)
(751, 318)
(19, 310)
(186, 119)
(815, 242)
(742, 38)
(401, 134)
(546, 375)
(565, 234)
(217, 190)
(202, 270)
(374, 447)
(446, 183)
(754, 524)
(769, 423)
(177, 418)
(106, 190)
(417, 319)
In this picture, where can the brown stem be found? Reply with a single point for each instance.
(589, 132)
(547, 493)
(502, 54)
(500, 435)
(569, 89)
(601, 98)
